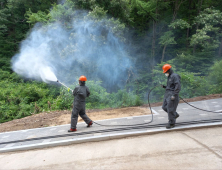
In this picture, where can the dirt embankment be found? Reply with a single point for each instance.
(64, 117)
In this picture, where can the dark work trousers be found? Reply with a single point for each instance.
(79, 110)
(170, 106)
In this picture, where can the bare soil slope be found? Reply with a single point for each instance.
(64, 117)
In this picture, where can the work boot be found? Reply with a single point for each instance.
(169, 126)
(90, 124)
(177, 115)
(72, 130)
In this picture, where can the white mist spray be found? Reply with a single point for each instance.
(87, 48)
(47, 74)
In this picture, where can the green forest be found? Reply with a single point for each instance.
(184, 33)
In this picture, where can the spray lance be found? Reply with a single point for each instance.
(65, 86)
(47, 74)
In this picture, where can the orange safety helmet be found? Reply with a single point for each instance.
(82, 78)
(166, 67)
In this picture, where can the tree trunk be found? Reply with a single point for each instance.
(220, 49)
(153, 43)
(188, 33)
(197, 25)
(188, 29)
(164, 49)
(2, 5)
(175, 11)
(154, 40)
(176, 8)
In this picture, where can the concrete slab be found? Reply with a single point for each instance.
(209, 139)
(175, 150)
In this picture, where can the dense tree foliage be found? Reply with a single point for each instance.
(184, 33)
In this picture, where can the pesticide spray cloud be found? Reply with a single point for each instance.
(87, 47)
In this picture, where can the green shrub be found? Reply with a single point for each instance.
(20, 99)
(99, 98)
(215, 77)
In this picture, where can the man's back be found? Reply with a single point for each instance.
(80, 93)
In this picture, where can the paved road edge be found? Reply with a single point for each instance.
(107, 137)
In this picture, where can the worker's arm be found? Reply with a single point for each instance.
(177, 84)
(75, 91)
(87, 92)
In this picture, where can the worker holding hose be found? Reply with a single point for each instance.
(171, 97)
(80, 93)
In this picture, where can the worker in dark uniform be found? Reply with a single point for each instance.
(80, 93)
(171, 97)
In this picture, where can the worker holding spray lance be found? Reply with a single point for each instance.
(171, 97)
(80, 93)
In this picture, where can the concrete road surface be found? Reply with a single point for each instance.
(186, 112)
(190, 149)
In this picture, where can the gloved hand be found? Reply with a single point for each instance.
(68, 89)
(172, 97)
(163, 86)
